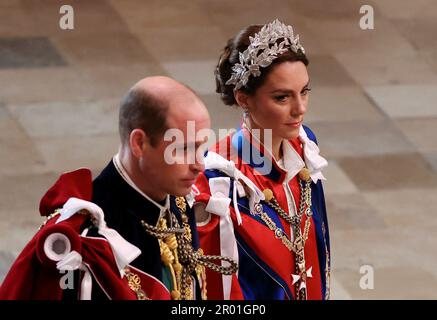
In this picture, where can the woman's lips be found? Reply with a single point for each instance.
(188, 182)
(295, 124)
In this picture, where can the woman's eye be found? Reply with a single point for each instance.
(281, 98)
(305, 91)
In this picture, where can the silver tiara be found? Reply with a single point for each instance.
(251, 61)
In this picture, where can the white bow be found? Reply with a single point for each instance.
(124, 252)
(314, 161)
(217, 162)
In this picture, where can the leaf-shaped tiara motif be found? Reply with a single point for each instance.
(260, 53)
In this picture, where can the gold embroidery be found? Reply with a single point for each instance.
(134, 283)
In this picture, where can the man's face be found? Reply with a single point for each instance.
(177, 178)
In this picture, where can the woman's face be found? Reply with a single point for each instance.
(281, 102)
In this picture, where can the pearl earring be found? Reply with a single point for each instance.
(246, 122)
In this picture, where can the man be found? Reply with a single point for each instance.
(137, 231)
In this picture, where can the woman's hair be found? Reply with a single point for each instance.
(230, 56)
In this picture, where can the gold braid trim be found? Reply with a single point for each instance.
(50, 217)
(298, 245)
(178, 254)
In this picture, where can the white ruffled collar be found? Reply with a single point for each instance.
(293, 163)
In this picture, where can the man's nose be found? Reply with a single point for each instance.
(197, 167)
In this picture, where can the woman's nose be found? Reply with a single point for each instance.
(298, 107)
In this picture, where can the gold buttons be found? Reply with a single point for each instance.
(268, 194)
(304, 174)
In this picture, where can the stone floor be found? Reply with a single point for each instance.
(373, 107)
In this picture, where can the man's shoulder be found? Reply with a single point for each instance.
(73, 184)
(105, 176)
(105, 184)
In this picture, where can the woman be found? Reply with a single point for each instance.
(260, 198)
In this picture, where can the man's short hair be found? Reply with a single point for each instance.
(140, 109)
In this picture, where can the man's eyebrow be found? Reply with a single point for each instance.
(195, 143)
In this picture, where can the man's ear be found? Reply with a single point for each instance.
(242, 99)
(138, 142)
